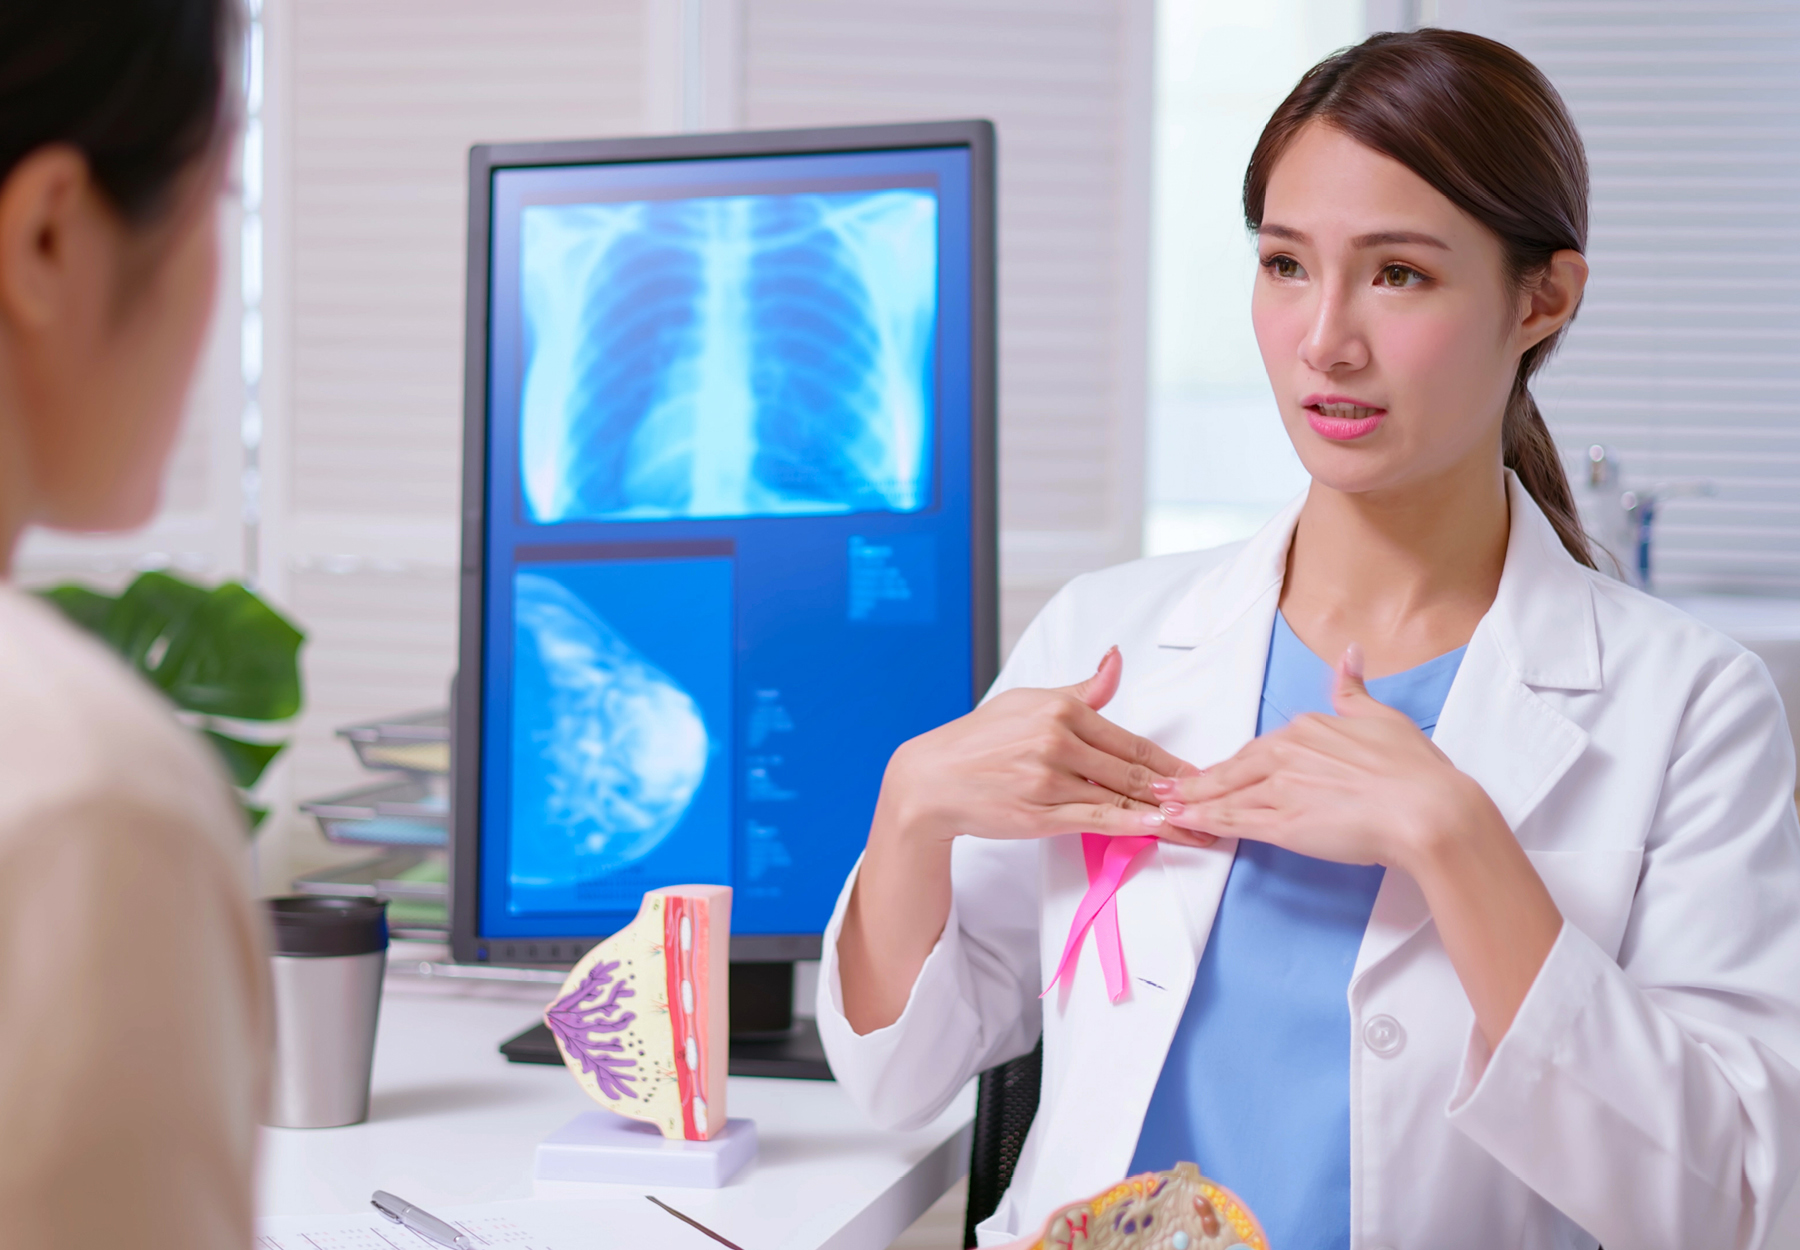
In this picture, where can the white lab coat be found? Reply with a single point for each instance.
(1647, 1094)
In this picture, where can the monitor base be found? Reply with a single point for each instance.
(795, 1055)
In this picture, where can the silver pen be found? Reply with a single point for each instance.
(424, 1223)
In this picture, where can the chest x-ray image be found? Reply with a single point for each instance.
(734, 356)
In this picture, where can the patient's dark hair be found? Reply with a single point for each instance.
(1481, 124)
(142, 88)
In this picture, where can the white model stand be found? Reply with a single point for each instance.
(598, 1146)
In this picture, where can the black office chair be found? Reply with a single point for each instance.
(1006, 1101)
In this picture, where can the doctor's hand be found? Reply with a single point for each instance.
(1367, 787)
(1029, 764)
(1363, 787)
(1025, 764)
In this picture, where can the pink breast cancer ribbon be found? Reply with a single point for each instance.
(1107, 859)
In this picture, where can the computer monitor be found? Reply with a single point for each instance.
(728, 531)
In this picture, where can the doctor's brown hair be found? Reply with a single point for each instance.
(1484, 127)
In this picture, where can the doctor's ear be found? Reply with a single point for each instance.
(1550, 298)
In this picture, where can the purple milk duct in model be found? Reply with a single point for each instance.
(592, 1009)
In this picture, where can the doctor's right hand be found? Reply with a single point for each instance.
(1030, 764)
(1025, 764)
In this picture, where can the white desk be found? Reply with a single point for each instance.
(452, 1122)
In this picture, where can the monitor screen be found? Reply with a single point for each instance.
(733, 524)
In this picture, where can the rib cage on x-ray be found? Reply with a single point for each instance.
(733, 356)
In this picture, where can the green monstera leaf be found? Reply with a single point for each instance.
(232, 655)
(87, 608)
(245, 761)
(217, 653)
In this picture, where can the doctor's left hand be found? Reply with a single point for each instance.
(1367, 787)
(1362, 787)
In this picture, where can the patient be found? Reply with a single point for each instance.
(133, 1010)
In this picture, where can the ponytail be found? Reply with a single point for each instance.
(1528, 450)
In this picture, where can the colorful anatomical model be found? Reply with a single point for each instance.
(1174, 1210)
(642, 1020)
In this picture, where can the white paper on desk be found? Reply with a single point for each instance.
(606, 1224)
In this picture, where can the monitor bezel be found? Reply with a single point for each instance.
(466, 944)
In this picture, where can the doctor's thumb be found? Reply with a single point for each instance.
(1349, 696)
(1098, 690)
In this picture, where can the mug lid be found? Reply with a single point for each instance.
(316, 924)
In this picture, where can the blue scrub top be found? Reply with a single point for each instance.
(1256, 1087)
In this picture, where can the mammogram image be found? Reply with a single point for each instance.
(755, 355)
(608, 749)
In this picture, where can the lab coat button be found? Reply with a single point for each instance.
(1384, 1036)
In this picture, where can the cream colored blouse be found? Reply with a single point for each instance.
(134, 1013)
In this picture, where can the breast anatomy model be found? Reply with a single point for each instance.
(643, 1022)
(1174, 1210)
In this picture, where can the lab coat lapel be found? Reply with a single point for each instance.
(1203, 707)
(1200, 704)
(1494, 726)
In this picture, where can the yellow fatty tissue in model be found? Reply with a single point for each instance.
(643, 1020)
(1174, 1210)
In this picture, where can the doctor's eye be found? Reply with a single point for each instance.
(1282, 266)
(1399, 277)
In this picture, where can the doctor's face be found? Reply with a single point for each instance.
(1386, 319)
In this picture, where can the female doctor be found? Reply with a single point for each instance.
(1486, 934)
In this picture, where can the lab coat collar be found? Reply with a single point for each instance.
(1218, 601)
(1542, 618)
(1539, 634)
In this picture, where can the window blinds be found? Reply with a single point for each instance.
(1685, 359)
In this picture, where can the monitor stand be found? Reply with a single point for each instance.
(766, 1038)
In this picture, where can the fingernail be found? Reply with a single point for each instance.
(1162, 786)
(1153, 820)
(1353, 661)
(1110, 652)
(1171, 809)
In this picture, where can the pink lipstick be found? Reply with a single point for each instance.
(1342, 418)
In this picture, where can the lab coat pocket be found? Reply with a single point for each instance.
(1593, 889)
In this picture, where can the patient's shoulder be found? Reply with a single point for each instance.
(78, 728)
